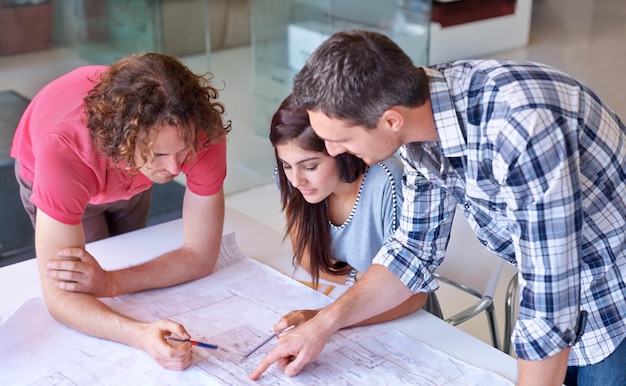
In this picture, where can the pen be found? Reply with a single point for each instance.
(193, 342)
(272, 336)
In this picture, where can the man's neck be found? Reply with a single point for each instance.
(419, 124)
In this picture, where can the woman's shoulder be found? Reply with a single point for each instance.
(390, 167)
(383, 178)
(393, 163)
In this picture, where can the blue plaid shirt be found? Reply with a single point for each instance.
(537, 163)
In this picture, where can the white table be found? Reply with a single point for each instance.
(20, 282)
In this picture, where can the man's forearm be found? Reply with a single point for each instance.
(365, 299)
(548, 371)
(90, 316)
(172, 268)
(412, 304)
(77, 310)
(203, 221)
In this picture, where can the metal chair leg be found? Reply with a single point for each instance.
(509, 317)
(493, 326)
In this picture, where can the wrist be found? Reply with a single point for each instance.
(330, 320)
(113, 286)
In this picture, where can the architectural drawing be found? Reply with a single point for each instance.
(235, 308)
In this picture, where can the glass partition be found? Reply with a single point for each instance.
(285, 33)
(103, 31)
(109, 30)
(262, 44)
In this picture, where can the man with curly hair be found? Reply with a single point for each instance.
(88, 149)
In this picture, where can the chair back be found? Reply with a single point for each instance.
(468, 262)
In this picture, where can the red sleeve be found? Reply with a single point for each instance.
(206, 175)
(63, 183)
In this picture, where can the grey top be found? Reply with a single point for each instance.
(374, 218)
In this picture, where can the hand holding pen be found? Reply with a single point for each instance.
(287, 322)
(152, 339)
(263, 343)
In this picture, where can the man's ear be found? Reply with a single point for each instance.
(392, 119)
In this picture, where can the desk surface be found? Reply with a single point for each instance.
(264, 244)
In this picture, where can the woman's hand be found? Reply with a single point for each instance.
(294, 319)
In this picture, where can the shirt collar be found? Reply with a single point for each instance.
(451, 139)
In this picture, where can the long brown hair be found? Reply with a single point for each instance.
(307, 224)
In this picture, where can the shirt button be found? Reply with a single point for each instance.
(467, 206)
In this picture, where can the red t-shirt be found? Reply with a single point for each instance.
(55, 153)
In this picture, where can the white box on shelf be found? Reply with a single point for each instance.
(480, 38)
(304, 37)
(302, 40)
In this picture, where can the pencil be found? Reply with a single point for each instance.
(269, 338)
(194, 343)
(272, 336)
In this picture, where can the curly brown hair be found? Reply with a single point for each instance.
(140, 94)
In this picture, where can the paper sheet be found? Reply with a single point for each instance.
(235, 308)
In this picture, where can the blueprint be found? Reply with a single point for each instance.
(235, 308)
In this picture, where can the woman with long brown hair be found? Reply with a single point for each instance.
(339, 210)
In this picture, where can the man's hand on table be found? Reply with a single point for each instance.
(77, 271)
